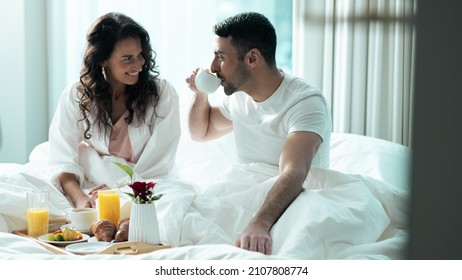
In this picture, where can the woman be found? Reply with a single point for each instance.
(120, 110)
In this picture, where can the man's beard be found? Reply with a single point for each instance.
(240, 79)
(229, 90)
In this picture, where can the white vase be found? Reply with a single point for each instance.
(143, 226)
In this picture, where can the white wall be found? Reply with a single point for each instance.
(23, 106)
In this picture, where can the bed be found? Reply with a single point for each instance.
(356, 209)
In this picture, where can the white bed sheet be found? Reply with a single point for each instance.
(357, 211)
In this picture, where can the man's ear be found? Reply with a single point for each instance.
(253, 57)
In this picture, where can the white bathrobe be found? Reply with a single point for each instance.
(154, 142)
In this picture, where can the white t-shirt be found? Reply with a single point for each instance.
(261, 128)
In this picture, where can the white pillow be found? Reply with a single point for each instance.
(380, 159)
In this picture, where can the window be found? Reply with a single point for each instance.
(280, 15)
(181, 34)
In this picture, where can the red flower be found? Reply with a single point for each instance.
(142, 190)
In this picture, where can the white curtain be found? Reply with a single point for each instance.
(180, 31)
(360, 53)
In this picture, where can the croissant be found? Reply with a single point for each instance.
(104, 230)
(122, 234)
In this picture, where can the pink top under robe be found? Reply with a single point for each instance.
(119, 144)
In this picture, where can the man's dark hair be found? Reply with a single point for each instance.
(250, 30)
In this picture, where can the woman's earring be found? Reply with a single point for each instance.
(104, 73)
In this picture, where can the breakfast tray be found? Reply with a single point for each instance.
(52, 226)
(132, 248)
(119, 248)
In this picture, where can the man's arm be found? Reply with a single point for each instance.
(294, 165)
(205, 122)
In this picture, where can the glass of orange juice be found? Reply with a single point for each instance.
(109, 205)
(37, 213)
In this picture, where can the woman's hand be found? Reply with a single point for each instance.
(88, 201)
(72, 189)
(93, 192)
(84, 202)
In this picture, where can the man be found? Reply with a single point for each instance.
(277, 119)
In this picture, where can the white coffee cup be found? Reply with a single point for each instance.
(207, 82)
(82, 218)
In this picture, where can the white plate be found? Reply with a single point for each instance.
(87, 247)
(44, 238)
(94, 239)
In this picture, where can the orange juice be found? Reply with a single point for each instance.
(37, 221)
(109, 205)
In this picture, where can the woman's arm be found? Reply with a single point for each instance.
(71, 188)
(64, 135)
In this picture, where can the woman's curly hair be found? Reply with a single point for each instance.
(95, 91)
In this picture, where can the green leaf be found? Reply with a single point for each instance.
(125, 168)
(132, 196)
(156, 197)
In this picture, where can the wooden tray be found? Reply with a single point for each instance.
(52, 226)
(132, 248)
(120, 248)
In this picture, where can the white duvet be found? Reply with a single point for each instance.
(339, 215)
